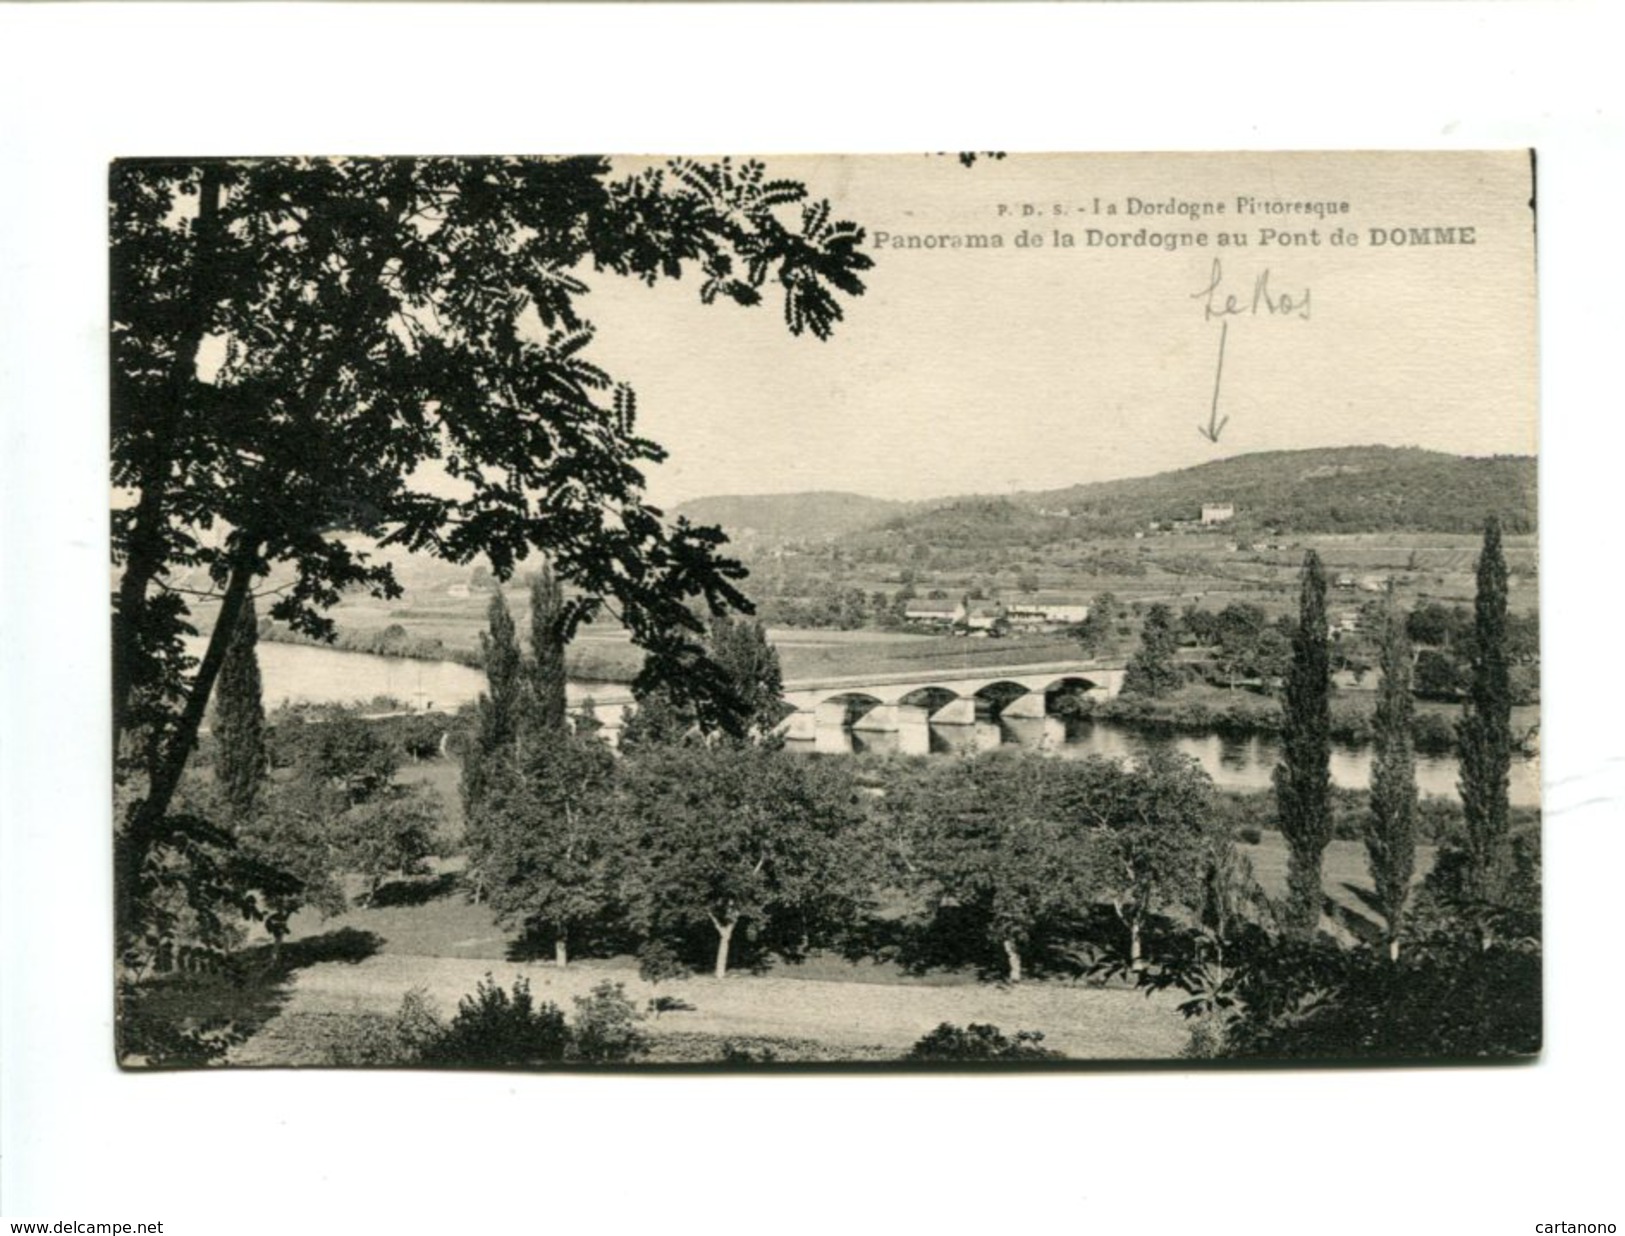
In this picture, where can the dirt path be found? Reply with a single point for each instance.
(1082, 1022)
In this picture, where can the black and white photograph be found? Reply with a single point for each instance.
(943, 610)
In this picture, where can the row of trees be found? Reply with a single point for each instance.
(1484, 744)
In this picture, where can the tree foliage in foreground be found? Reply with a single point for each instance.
(1155, 836)
(998, 840)
(739, 838)
(551, 847)
(293, 339)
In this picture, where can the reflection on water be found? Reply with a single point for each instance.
(1242, 762)
(306, 674)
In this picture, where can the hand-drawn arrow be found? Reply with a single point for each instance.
(1215, 426)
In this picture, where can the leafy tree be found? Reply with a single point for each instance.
(1484, 733)
(549, 858)
(999, 837)
(1202, 625)
(655, 719)
(738, 836)
(1438, 675)
(347, 757)
(240, 759)
(1303, 777)
(1096, 632)
(1153, 670)
(1151, 846)
(391, 832)
(750, 665)
(1390, 832)
(1435, 625)
(294, 339)
(292, 833)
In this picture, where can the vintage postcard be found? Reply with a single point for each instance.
(922, 610)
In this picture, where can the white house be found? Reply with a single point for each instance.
(935, 613)
(1217, 513)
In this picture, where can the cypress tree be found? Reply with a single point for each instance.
(1303, 777)
(239, 719)
(1390, 828)
(1484, 733)
(548, 710)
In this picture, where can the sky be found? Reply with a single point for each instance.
(989, 370)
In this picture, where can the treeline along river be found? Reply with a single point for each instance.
(294, 673)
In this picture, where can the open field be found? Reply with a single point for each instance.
(1207, 569)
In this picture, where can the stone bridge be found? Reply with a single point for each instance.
(886, 702)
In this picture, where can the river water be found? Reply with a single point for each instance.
(1234, 761)
(308, 674)
(298, 673)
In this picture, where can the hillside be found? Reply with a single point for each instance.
(773, 518)
(1329, 490)
(1335, 490)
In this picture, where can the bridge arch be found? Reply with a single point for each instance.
(846, 708)
(932, 698)
(1001, 693)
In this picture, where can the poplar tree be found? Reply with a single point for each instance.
(1484, 733)
(547, 710)
(1390, 828)
(239, 719)
(490, 754)
(1303, 777)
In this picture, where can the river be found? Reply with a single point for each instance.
(301, 673)
(1235, 762)
(309, 674)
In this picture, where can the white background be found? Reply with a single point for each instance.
(1443, 1150)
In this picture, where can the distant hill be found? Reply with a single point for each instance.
(820, 516)
(1328, 490)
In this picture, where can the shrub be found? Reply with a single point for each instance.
(375, 1041)
(979, 1041)
(495, 1030)
(743, 1053)
(1250, 835)
(658, 962)
(606, 1026)
(668, 1004)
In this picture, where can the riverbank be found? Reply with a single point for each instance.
(1201, 709)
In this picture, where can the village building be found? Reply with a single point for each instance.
(941, 613)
